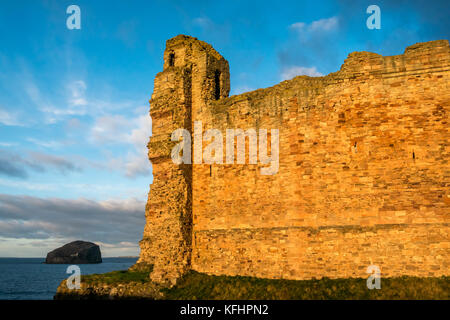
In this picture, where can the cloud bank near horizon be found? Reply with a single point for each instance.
(117, 225)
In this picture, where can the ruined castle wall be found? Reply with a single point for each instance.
(363, 176)
(168, 210)
(187, 81)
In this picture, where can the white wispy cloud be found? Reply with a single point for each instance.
(7, 144)
(97, 189)
(293, 71)
(242, 89)
(9, 118)
(321, 25)
(135, 132)
(75, 102)
(204, 22)
(16, 165)
(45, 143)
(308, 48)
(28, 186)
(111, 129)
(77, 93)
(34, 94)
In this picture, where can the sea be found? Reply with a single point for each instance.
(31, 279)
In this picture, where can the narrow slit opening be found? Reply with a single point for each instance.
(171, 59)
(217, 85)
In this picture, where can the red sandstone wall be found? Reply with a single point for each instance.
(333, 209)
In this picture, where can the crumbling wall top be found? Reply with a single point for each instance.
(184, 40)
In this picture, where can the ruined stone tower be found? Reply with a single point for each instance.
(193, 74)
(363, 170)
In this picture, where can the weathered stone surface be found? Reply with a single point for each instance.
(76, 252)
(363, 176)
(107, 291)
(167, 241)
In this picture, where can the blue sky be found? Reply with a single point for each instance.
(74, 103)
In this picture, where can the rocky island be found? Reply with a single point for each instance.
(76, 252)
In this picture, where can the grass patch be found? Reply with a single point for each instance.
(196, 285)
(117, 277)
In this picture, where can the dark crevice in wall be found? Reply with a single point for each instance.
(217, 85)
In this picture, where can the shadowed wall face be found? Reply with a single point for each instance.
(362, 180)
